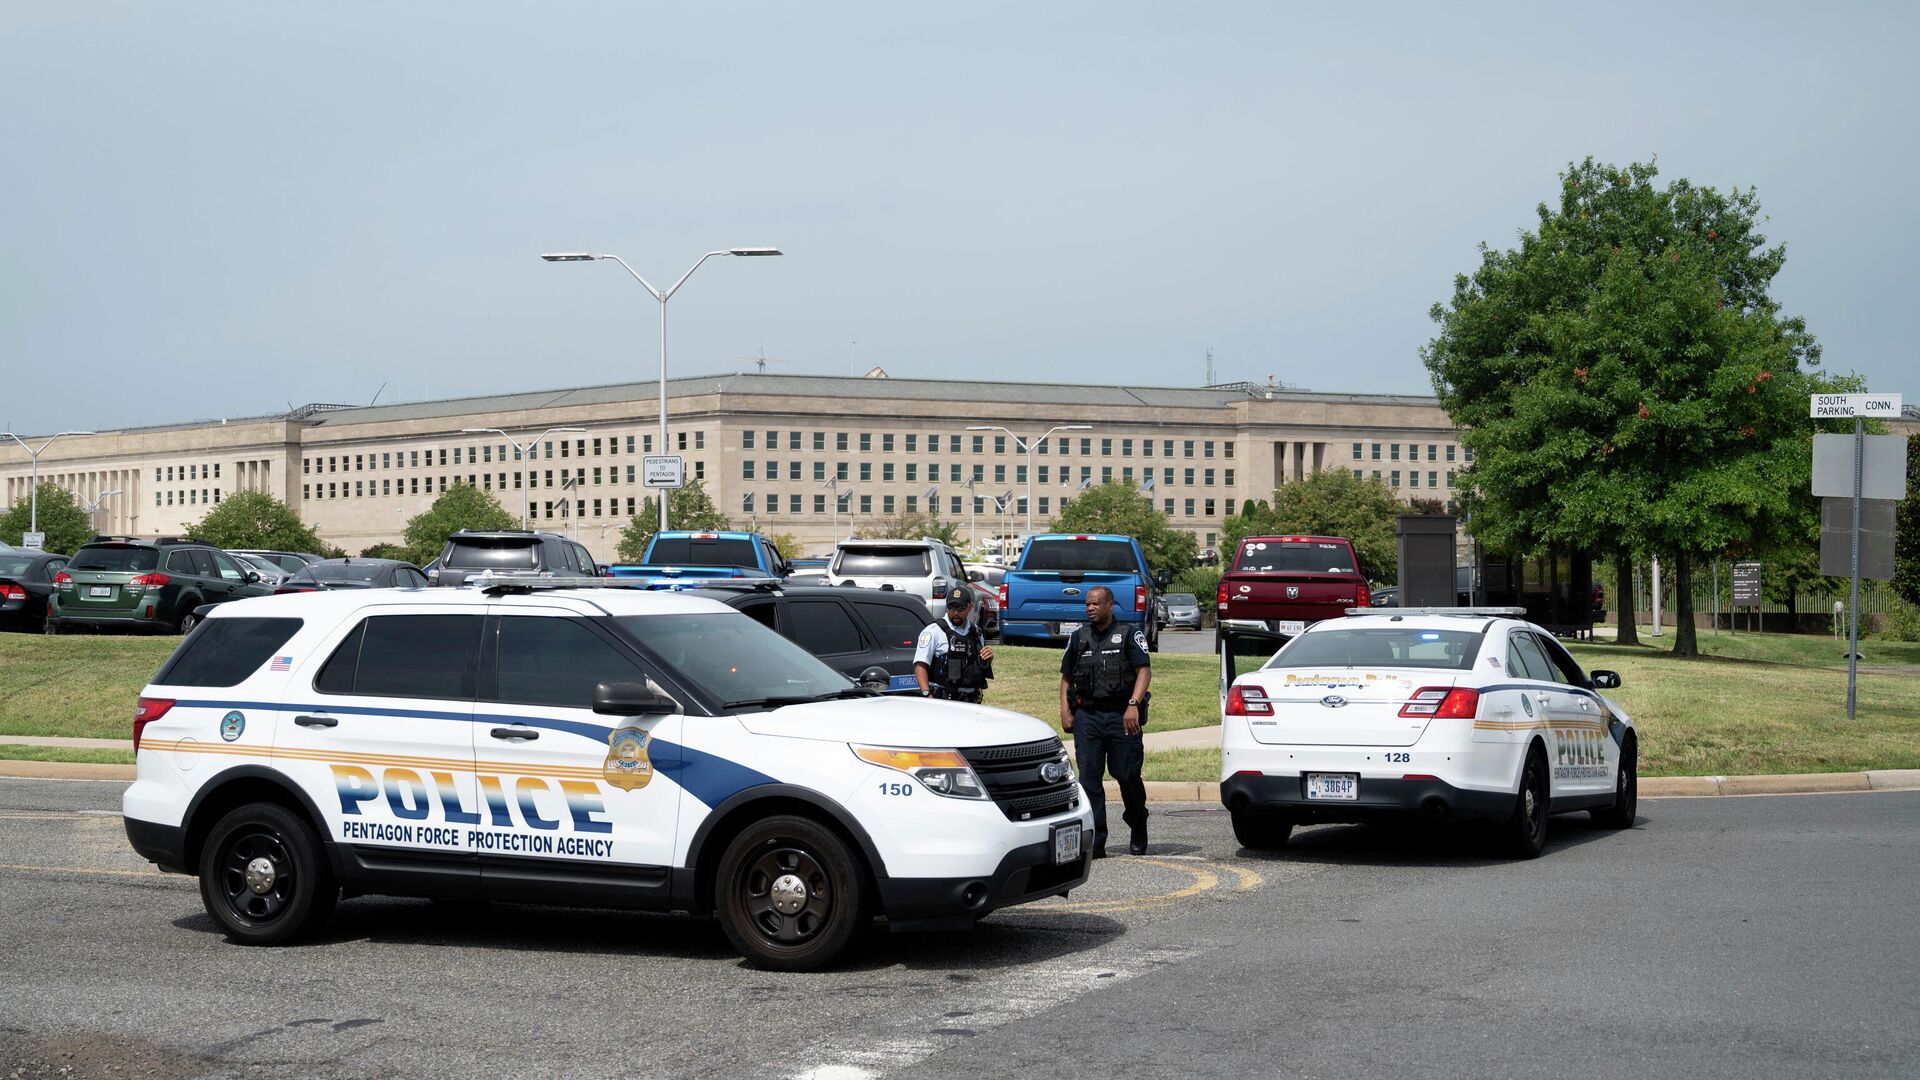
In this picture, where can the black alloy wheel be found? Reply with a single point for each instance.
(791, 894)
(1524, 835)
(188, 622)
(263, 877)
(1626, 790)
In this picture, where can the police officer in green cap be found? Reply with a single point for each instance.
(1103, 697)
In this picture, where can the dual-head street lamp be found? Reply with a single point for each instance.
(1027, 445)
(526, 454)
(33, 496)
(662, 297)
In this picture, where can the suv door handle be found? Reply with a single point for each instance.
(515, 733)
(316, 721)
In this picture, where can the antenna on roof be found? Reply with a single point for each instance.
(1209, 367)
(377, 393)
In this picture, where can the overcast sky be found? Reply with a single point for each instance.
(218, 209)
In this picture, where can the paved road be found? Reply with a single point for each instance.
(1733, 937)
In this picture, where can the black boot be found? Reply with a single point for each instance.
(1137, 845)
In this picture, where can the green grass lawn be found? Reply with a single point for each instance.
(1756, 704)
(84, 754)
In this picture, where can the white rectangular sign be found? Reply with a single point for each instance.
(664, 470)
(33, 541)
(1830, 406)
(1883, 466)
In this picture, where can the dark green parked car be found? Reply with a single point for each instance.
(127, 583)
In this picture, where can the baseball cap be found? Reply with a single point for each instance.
(961, 598)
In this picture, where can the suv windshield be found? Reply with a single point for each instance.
(1296, 556)
(1395, 646)
(1102, 555)
(700, 551)
(737, 660)
(494, 553)
(881, 562)
(115, 558)
(343, 572)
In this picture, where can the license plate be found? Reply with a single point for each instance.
(100, 590)
(1068, 629)
(1343, 786)
(1292, 627)
(1066, 843)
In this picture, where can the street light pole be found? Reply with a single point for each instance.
(33, 493)
(92, 506)
(1027, 446)
(526, 454)
(662, 297)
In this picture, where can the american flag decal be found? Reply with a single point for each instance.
(281, 663)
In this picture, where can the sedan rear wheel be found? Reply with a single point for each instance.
(1524, 835)
(1262, 830)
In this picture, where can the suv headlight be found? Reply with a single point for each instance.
(943, 772)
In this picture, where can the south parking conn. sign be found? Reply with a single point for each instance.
(1847, 406)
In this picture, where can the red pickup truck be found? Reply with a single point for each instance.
(1282, 583)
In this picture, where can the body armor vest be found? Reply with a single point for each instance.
(960, 667)
(1100, 671)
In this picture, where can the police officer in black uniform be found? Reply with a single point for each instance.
(952, 660)
(1103, 697)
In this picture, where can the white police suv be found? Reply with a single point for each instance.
(582, 746)
(1441, 713)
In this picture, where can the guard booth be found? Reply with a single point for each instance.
(1556, 589)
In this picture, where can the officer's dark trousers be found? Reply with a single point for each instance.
(1101, 745)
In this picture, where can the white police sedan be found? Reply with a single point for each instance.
(1453, 714)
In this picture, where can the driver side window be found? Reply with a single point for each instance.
(557, 662)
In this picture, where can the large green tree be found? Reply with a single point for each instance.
(1331, 502)
(1119, 507)
(61, 519)
(254, 519)
(1906, 530)
(461, 506)
(688, 507)
(1625, 380)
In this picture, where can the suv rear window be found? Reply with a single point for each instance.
(223, 652)
(494, 553)
(1114, 556)
(1451, 650)
(1295, 556)
(882, 562)
(115, 558)
(694, 551)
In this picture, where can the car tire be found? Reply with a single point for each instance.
(1626, 792)
(263, 876)
(188, 622)
(1262, 830)
(791, 894)
(1524, 834)
(49, 627)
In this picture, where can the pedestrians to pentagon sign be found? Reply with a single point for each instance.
(664, 470)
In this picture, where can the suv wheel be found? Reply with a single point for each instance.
(1262, 830)
(188, 622)
(49, 627)
(263, 877)
(790, 894)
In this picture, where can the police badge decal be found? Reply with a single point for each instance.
(627, 766)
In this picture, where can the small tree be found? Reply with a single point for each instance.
(787, 544)
(387, 551)
(915, 527)
(688, 507)
(1331, 502)
(1117, 507)
(461, 506)
(255, 519)
(61, 518)
(1906, 530)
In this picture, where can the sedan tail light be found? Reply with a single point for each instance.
(1248, 701)
(146, 711)
(11, 591)
(1443, 703)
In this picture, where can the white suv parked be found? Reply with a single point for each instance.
(928, 569)
(582, 746)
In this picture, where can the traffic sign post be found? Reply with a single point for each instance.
(1746, 590)
(33, 541)
(1858, 406)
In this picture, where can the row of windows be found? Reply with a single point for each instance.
(410, 485)
(769, 505)
(1413, 477)
(188, 497)
(910, 443)
(488, 454)
(959, 474)
(167, 474)
(1413, 451)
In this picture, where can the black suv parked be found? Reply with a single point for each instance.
(866, 634)
(511, 551)
(135, 584)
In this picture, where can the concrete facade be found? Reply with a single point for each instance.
(357, 474)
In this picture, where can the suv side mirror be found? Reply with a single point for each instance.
(1605, 680)
(976, 575)
(629, 699)
(1162, 579)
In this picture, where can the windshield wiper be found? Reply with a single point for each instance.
(798, 699)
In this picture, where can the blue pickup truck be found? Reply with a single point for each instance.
(687, 560)
(1044, 598)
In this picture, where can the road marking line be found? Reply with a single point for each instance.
(1015, 994)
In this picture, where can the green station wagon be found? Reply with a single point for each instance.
(134, 584)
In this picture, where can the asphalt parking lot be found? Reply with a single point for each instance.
(1720, 937)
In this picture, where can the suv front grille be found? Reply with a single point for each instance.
(1012, 777)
